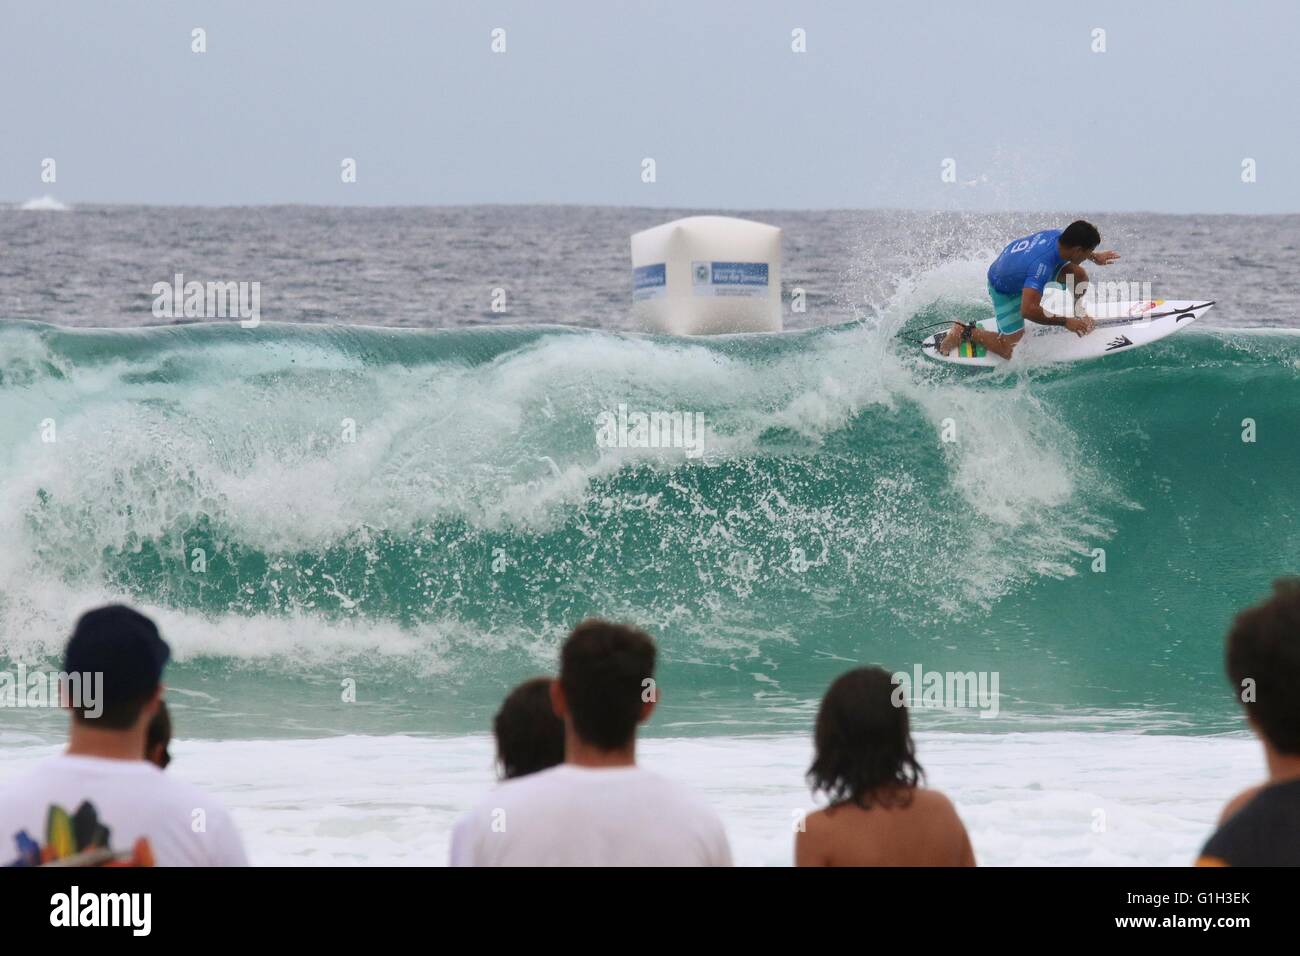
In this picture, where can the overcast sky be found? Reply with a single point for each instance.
(1012, 92)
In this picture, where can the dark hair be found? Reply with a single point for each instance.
(864, 753)
(1264, 647)
(159, 734)
(1081, 233)
(529, 735)
(124, 647)
(603, 667)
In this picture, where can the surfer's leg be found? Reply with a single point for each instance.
(998, 343)
(952, 338)
(1011, 326)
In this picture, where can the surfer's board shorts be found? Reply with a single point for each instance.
(1006, 306)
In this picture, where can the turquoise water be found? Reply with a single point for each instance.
(444, 552)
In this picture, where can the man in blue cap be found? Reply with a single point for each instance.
(101, 801)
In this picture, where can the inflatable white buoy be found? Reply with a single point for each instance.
(707, 275)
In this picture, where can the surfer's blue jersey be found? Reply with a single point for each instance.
(1028, 263)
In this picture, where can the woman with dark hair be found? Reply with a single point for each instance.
(879, 814)
(530, 737)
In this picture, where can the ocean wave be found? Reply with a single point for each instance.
(476, 498)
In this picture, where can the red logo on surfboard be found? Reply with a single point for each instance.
(1142, 308)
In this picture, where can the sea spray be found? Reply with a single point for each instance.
(828, 522)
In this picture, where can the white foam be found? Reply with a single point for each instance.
(448, 441)
(36, 624)
(143, 455)
(1027, 799)
(44, 204)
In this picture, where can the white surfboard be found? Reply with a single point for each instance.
(1121, 327)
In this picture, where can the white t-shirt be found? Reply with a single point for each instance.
(582, 816)
(133, 799)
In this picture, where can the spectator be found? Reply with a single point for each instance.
(100, 801)
(1261, 826)
(158, 737)
(865, 762)
(530, 737)
(598, 808)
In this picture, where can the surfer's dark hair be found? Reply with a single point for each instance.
(1081, 233)
(606, 670)
(1263, 663)
(530, 737)
(864, 751)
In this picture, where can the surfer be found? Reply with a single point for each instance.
(1016, 280)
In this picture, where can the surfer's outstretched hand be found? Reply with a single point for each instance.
(1080, 326)
(1104, 258)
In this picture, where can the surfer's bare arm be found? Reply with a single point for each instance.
(1079, 275)
(1103, 258)
(1031, 309)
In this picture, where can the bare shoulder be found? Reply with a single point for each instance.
(811, 840)
(930, 798)
(932, 801)
(943, 816)
(824, 828)
(938, 807)
(815, 823)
